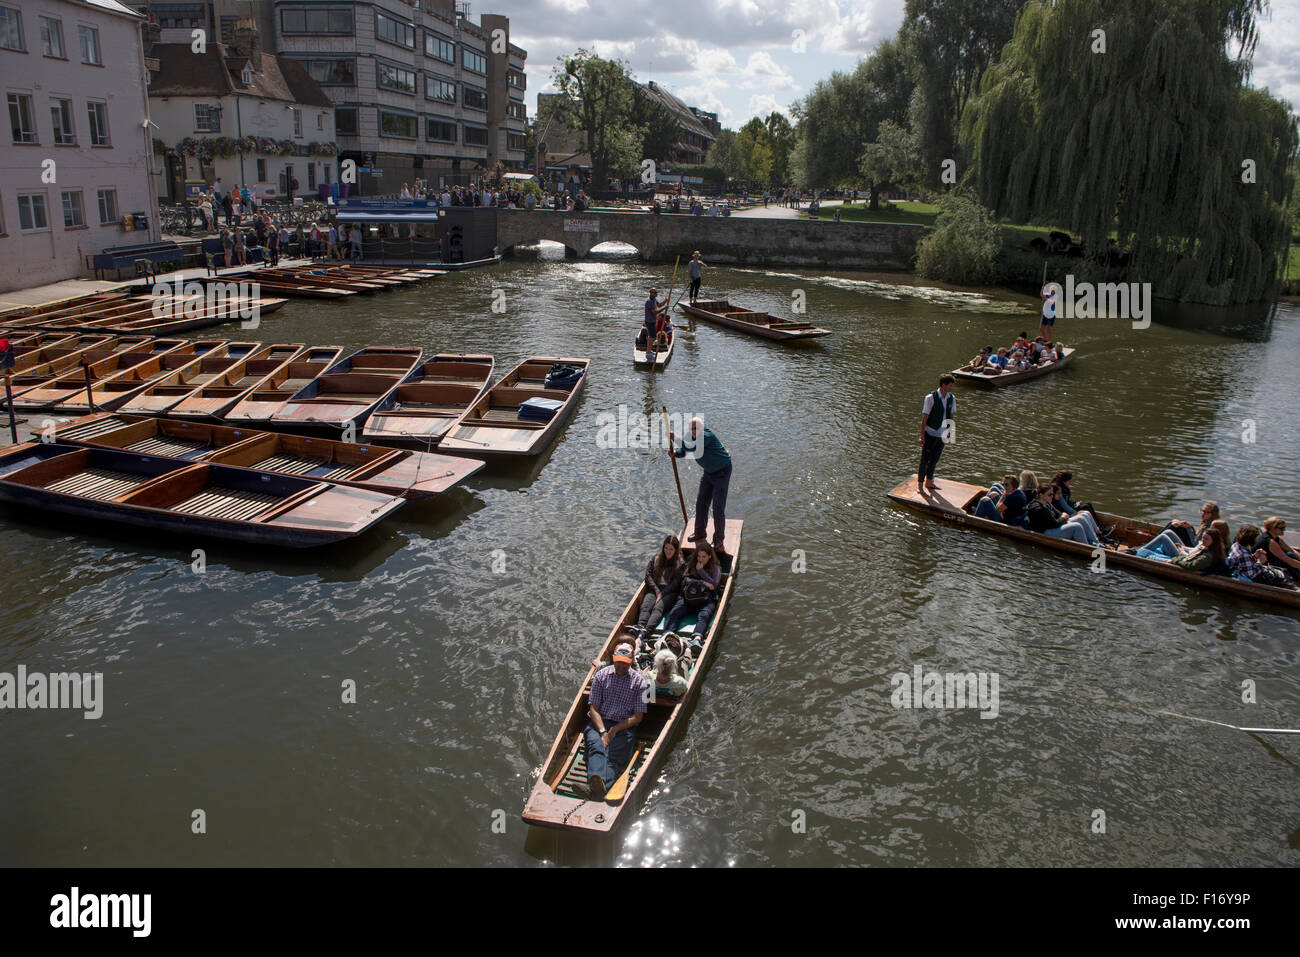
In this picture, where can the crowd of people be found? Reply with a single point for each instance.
(1255, 554)
(1021, 356)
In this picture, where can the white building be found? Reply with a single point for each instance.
(78, 157)
(236, 113)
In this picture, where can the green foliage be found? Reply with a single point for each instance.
(726, 156)
(893, 160)
(714, 173)
(600, 94)
(964, 246)
(781, 137)
(1144, 142)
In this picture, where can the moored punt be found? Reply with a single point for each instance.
(349, 390)
(268, 396)
(43, 390)
(24, 341)
(966, 374)
(955, 502)
(226, 390)
(641, 356)
(64, 344)
(112, 391)
(196, 498)
(723, 313)
(163, 393)
(58, 362)
(413, 475)
(503, 423)
(431, 400)
(556, 800)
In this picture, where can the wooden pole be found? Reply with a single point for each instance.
(85, 368)
(672, 455)
(9, 399)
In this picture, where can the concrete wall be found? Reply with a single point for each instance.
(741, 240)
(55, 252)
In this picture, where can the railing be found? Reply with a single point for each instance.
(185, 218)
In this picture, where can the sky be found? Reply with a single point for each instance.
(742, 58)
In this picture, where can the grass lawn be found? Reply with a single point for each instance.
(1293, 264)
(925, 214)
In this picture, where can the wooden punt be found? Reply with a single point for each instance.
(430, 401)
(723, 313)
(349, 390)
(211, 314)
(58, 362)
(286, 287)
(493, 426)
(641, 356)
(226, 390)
(62, 345)
(955, 502)
(186, 498)
(267, 397)
(114, 391)
(165, 392)
(24, 341)
(965, 374)
(556, 801)
(413, 475)
(49, 390)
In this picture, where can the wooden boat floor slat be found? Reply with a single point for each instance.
(98, 483)
(300, 465)
(226, 504)
(163, 445)
(576, 774)
(91, 430)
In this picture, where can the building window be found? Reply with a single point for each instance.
(98, 115)
(437, 131)
(440, 48)
(31, 213)
(207, 118)
(261, 171)
(389, 77)
(345, 121)
(334, 21)
(474, 61)
(516, 110)
(11, 29)
(475, 99)
(297, 122)
(436, 88)
(320, 121)
(52, 38)
(73, 214)
(476, 136)
(516, 141)
(311, 175)
(332, 72)
(402, 125)
(65, 134)
(227, 28)
(515, 79)
(107, 206)
(394, 31)
(22, 121)
(89, 45)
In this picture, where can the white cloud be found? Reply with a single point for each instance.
(762, 72)
(1277, 57)
(763, 104)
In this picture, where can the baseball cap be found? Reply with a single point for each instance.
(623, 653)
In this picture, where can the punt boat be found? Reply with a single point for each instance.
(967, 374)
(49, 390)
(723, 313)
(657, 360)
(186, 498)
(523, 413)
(165, 392)
(226, 390)
(955, 502)
(113, 391)
(268, 396)
(349, 390)
(413, 475)
(430, 401)
(558, 799)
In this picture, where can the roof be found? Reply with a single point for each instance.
(685, 116)
(112, 6)
(215, 72)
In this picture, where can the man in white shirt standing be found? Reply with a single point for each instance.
(936, 430)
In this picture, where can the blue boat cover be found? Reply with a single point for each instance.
(541, 409)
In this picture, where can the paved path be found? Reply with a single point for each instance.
(777, 211)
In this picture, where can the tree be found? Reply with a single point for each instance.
(754, 153)
(964, 246)
(601, 94)
(781, 137)
(725, 156)
(950, 43)
(1158, 141)
(893, 160)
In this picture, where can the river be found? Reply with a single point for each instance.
(467, 622)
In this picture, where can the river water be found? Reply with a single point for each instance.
(466, 623)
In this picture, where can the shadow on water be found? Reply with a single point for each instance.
(1251, 322)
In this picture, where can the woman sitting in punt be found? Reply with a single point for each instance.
(981, 362)
(699, 593)
(664, 674)
(663, 582)
(1047, 519)
(1178, 536)
(1209, 556)
(1249, 563)
(1273, 542)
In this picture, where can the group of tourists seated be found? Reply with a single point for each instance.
(675, 589)
(1255, 555)
(1021, 356)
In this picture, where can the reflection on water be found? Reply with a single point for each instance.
(466, 623)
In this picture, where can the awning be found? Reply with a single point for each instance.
(386, 216)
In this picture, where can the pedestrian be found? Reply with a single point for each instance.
(227, 247)
(653, 308)
(715, 462)
(356, 243)
(696, 267)
(332, 243)
(228, 207)
(936, 430)
(273, 245)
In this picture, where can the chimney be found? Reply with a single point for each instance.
(244, 38)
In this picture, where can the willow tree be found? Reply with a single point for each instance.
(1134, 121)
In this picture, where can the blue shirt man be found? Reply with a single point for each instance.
(652, 308)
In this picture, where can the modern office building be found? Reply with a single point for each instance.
(243, 115)
(419, 91)
(78, 156)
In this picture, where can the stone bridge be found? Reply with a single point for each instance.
(720, 239)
